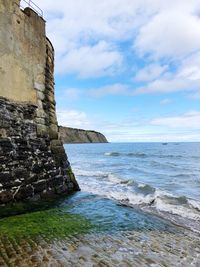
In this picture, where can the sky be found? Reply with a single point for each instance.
(127, 68)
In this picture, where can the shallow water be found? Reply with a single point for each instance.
(159, 178)
(122, 237)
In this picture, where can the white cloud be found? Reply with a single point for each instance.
(73, 118)
(173, 32)
(153, 137)
(80, 19)
(76, 26)
(165, 101)
(150, 72)
(135, 128)
(189, 120)
(196, 95)
(72, 93)
(158, 28)
(169, 86)
(185, 78)
(114, 89)
(91, 61)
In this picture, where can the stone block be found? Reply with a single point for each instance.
(53, 134)
(23, 192)
(21, 173)
(5, 196)
(42, 130)
(5, 177)
(39, 186)
(39, 86)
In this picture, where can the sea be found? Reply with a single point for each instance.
(125, 185)
(139, 206)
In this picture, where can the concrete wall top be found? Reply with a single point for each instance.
(22, 52)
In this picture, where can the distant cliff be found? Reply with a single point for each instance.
(72, 135)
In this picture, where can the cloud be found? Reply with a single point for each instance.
(189, 120)
(114, 89)
(169, 86)
(91, 61)
(153, 137)
(72, 93)
(196, 95)
(157, 29)
(172, 33)
(83, 20)
(165, 101)
(186, 77)
(184, 127)
(150, 72)
(73, 118)
(83, 33)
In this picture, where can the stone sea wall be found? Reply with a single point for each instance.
(33, 163)
(29, 167)
(73, 135)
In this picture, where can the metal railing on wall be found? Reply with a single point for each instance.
(33, 6)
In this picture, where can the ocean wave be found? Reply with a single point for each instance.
(137, 155)
(95, 173)
(131, 154)
(178, 206)
(118, 180)
(151, 155)
(162, 202)
(129, 192)
(145, 189)
(112, 154)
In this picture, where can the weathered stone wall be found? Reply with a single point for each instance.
(72, 135)
(33, 163)
(29, 168)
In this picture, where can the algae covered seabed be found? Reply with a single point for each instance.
(86, 230)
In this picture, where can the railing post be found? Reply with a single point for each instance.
(32, 5)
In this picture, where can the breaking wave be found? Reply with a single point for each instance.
(117, 154)
(131, 193)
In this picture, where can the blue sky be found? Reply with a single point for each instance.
(127, 68)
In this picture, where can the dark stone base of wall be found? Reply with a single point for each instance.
(31, 167)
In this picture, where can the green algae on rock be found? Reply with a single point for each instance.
(50, 224)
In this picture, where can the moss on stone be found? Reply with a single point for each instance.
(73, 179)
(50, 224)
(71, 175)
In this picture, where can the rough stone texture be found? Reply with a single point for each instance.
(72, 135)
(33, 163)
(22, 52)
(29, 166)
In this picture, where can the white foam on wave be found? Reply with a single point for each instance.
(112, 154)
(180, 210)
(125, 191)
(194, 204)
(95, 173)
(114, 178)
